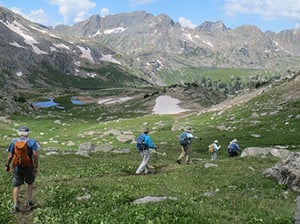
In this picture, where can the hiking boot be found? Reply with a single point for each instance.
(16, 209)
(28, 203)
(178, 161)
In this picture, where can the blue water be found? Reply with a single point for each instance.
(49, 103)
(52, 103)
(76, 102)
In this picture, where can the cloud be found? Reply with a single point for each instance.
(74, 11)
(186, 23)
(37, 16)
(269, 10)
(104, 12)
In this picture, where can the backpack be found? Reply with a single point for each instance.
(232, 147)
(21, 157)
(140, 142)
(183, 139)
(211, 148)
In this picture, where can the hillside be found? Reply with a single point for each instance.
(136, 49)
(70, 187)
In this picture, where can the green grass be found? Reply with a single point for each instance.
(228, 80)
(238, 192)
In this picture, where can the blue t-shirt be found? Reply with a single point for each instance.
(31, 144)
(148, 142)
(233, 147)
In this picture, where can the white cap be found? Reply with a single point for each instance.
(23, 131)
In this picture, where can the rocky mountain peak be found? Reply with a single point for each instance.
(212, 27)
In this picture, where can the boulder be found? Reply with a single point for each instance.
(148, 199)
(255, 151)
(287, 171)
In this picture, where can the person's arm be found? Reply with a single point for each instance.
(9, 157)
(32, 144)
(35, 162)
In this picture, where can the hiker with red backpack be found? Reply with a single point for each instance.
(24, 157)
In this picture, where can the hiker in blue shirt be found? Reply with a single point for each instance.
(233, 148)
(25, 169)
(145, 153)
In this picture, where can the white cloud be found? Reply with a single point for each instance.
(269, 10)
(37, 16)
(74, 11)
(104, 12)
(186, 23)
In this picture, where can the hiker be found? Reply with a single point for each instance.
(145, 152)
(24, 166)
(185, 140)
(216, 147)
(233, 148)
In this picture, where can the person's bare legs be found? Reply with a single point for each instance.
(16, 191)
(29, 192)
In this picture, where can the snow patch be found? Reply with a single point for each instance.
(86, 53)
(109, 58)
(17, 45)
(114, 100)
(19, 74)
(20, 30)
(115, 30)
(167, 105)
(61, 45)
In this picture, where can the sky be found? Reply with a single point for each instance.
(274, 15)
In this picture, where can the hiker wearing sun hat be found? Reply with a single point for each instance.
(233, 148)
(216, 147)
(144, 152)
(23, 155)
(185, 140)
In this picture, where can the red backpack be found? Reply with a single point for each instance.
(21, 157)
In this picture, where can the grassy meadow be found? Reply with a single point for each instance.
(234, 191)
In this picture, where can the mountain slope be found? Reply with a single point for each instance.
(157, 44)
(31, 56)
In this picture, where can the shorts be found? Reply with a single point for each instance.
(22, 175)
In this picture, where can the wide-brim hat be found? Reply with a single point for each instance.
(234, 140)
(188, 129)
(146, 130)
(216, 141)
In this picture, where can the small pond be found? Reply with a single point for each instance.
(51, 103)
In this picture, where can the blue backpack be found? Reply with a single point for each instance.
(140, 142)
(183, 140)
